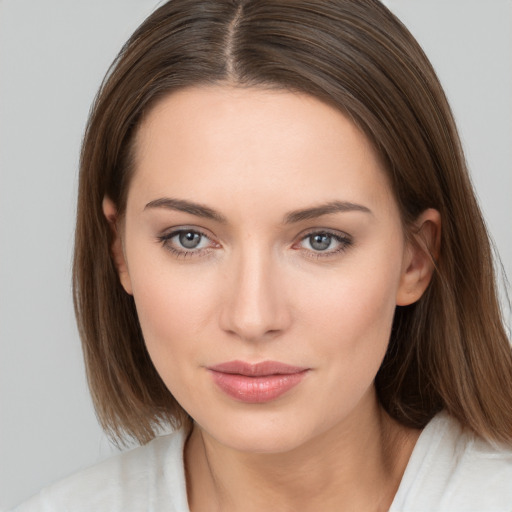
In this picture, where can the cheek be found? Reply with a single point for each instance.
(174, 309)
(351, 315)
(346, 331)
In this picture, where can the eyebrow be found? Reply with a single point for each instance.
(292, 217)
(324, 209)
(182, 205)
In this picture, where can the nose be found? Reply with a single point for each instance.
(256, 307)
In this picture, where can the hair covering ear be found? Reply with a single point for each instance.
(420, 257)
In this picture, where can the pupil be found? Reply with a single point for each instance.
(320, 242)
(189, 239)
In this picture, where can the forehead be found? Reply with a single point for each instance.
(257, 141)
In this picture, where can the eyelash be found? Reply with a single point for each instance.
(165, 240)
(343, 240)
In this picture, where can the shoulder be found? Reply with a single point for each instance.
(453, 470)
(144, 478)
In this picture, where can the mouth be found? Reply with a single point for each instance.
(256, 383)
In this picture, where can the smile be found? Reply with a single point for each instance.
(256, 383)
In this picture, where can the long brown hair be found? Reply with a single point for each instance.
(447, 351)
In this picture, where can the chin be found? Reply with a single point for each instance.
(261, 433)
(268, 442)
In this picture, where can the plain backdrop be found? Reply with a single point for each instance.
(53, 55)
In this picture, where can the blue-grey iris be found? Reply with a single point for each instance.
(189, 239)
(320, 242)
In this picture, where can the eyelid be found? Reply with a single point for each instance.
(165, 240)
(344, 239)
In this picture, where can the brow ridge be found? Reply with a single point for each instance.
(324, 209)
(183, 205)
(292, 217)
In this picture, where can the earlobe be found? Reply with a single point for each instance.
(116, 249)
(420, 257)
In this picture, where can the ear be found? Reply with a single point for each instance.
(420, 256)
(117, 249)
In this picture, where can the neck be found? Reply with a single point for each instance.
(356, 465)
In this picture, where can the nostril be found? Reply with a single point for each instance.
(254, 324)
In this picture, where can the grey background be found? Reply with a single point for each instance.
(53, 55)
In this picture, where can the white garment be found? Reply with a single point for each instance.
(450, 470)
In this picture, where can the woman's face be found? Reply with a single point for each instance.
(265, 254)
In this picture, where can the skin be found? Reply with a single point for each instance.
(257, 288)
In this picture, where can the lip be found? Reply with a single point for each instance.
(256, 383)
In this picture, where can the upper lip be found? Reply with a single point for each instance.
(263, 368)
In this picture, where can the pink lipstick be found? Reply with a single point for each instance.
(256, 383)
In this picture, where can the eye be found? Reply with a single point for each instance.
(189, 239)
(185, 242)
(325, 243)
(320, 241)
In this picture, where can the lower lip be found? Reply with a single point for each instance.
(256, 390)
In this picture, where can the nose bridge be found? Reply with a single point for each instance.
(256, 307)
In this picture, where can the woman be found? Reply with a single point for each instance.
(279, 253)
